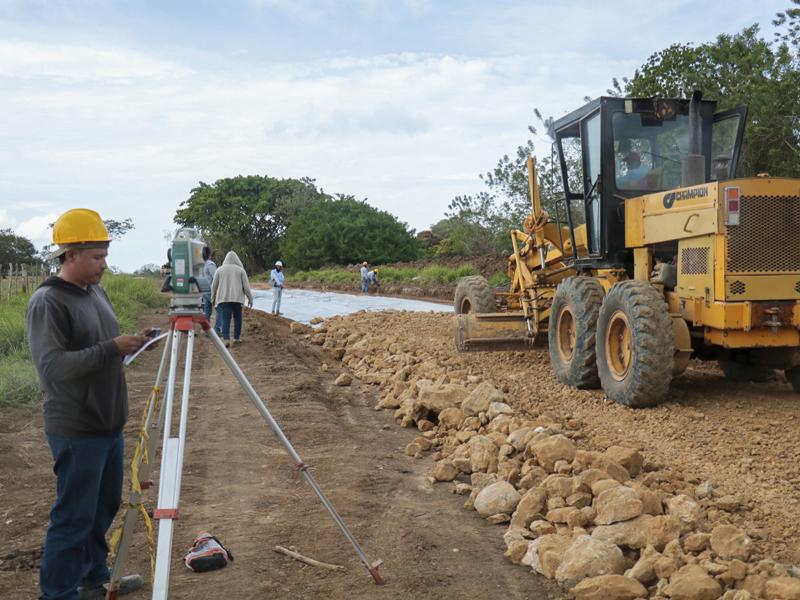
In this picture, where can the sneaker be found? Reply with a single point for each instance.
(128, 584)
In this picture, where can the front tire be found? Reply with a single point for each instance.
(572, 330)
(635, 350)
(474, 295)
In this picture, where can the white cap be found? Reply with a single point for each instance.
(279, 264)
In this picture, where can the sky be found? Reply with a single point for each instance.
(124, 107)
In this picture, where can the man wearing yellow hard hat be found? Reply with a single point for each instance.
(77, 350)
(364, 270)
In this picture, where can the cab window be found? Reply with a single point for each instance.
(648, 152)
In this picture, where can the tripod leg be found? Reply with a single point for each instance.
(299, 464)
(146, 448)
(169, 487)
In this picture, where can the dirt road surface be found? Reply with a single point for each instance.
(239, 484)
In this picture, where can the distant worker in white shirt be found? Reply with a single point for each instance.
(364, 272)
(276, 278)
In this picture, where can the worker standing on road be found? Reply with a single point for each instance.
(77, 350)
(276, 277)
(372, 279)
(364, 272)
(209, 268)
(229, 290)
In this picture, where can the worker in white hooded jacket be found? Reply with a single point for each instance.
(229, 290)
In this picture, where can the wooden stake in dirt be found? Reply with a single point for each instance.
(308, 561)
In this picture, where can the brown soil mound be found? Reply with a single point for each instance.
(727, 447)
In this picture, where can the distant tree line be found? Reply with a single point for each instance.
(17, 249)
(264, 219)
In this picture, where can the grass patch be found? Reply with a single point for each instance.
(12, 325)
(18, 381)
(430, 275)
(129, 295)
(499, 280)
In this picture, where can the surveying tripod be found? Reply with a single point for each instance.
(186, 313)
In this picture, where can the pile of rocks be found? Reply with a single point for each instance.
(602, 523)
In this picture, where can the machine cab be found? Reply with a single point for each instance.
(612, 149)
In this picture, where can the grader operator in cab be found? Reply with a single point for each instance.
(663, 256)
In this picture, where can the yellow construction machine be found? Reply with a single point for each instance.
(662, 256)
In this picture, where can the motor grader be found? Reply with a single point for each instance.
(660, 255)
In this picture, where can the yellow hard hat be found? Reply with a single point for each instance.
(375, 270)
(79, 226)
(365, 263)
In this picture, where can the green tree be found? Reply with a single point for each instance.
(481, 224)
(16, 249)
(148, 270)
(249, 214)
(461, 236)
(116, 229)
(739, 69)
(345, 231)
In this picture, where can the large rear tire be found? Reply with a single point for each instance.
(572, 331)
(474, 295)
(635, 350)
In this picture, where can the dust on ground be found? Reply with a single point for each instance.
(239, 484)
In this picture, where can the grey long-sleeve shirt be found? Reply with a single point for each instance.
(71, 334)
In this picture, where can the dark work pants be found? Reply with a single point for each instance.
(226, 311)
(88, 495)
(207, 309)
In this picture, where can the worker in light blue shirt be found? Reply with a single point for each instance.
(276, 278)
(209, 268)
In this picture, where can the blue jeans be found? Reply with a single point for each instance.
(88, 495)
(364, 285)
(226, 311)
(207, 306)
(277, 292)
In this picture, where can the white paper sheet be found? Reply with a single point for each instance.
(129, 358)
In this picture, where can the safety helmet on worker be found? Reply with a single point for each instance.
(278, 263)
(365, 263)
(79, 228)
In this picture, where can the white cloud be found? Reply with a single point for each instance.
(69, 63)
(128, 130)
(408, 131)
(37, 228)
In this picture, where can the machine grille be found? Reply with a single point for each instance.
(694, 261)
(767, 238)
(738, 287)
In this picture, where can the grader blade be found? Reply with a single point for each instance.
(493, 332)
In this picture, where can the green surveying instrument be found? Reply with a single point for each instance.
(187, 283)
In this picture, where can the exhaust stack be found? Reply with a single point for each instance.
(693, 166)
